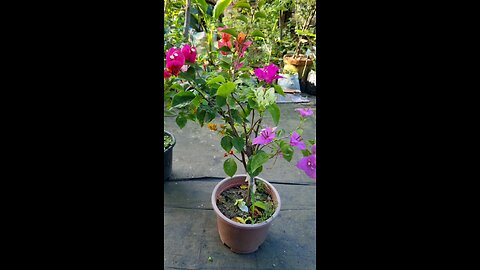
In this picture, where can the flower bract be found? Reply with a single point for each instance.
(266, 136)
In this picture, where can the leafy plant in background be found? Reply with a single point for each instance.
(238, 95)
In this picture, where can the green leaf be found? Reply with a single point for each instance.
(168, 113)
(260, 14)
(182, 99)
(236, 117)
(226, 143)
(221, 101)
(202, 4)
(188, 75)
(220, 7)
(243, 4)
(230, 31)
(257, 33)
(176, 86)
(278, 89)
(244, 114)
(305, 33)
(210, 116)
(306, 153)
(245, 76)
(275, 112)
(201, 116)
(217, 79)
(300, 131)
(230, 167)
(243, 18)
(258, 160)
(287, 151)
(256, 172)
(260, 204)
(181, 121)
(238, 143)
(226, 89)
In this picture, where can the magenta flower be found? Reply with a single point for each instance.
(266, 136)
(305, 112)
(296, 140)
(268, 73)
(190, 53)
(175, 61)
(166, 74)
(308, 165)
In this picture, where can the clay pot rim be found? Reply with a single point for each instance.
(173, 141)
(241, 225)
(301, 57)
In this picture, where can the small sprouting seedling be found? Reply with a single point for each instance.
(210, 259)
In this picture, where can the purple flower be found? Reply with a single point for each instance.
(266, 136)
(190, 53)
(268, 73)
(308, 165)
(296, 141)
(305, 112)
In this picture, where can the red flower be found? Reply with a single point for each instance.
(175, 61)
(240, 45)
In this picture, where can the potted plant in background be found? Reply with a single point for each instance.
(304, 18)
(168, 144)
(224, 91)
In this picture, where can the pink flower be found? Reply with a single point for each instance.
(266, 136)
(175, 61)
(308, 165)
(225, 40)
(242, 47)
(166, 74)
(305, 112)
(237, 65)
(190, 53)
(296, 141)
(268, 73)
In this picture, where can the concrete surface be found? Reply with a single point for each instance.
(198, 152)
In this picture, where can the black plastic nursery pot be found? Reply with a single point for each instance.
(167, 157)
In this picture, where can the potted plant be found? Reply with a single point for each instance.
(302, 63)
(223, 96)
(168, 144)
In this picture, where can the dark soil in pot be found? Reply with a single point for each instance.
(227, 199)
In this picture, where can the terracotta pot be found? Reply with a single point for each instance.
(298, 64)
(242, 238)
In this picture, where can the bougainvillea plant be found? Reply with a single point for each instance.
(240, 97)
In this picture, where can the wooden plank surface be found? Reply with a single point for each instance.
(191, 235)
